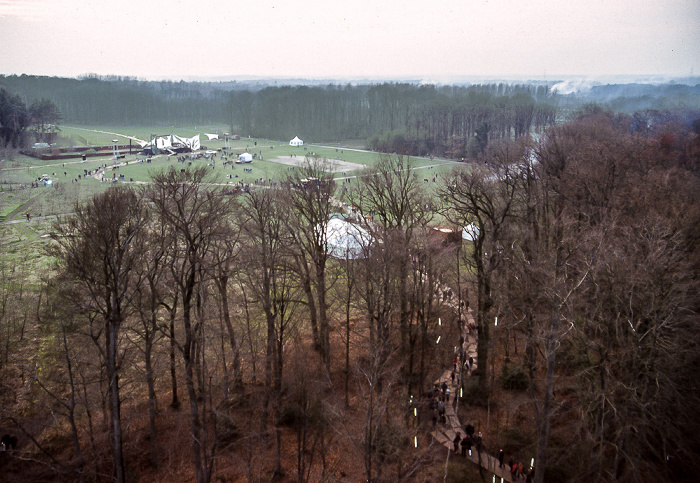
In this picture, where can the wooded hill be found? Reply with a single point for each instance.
(186, 334)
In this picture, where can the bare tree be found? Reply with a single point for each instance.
(267, 247)
(309, 197)
(392, 205)
(98, 248)
(224, 264)
(483, 197)
(148, 303)
(196, 214)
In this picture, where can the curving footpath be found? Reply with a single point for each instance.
(444, 434)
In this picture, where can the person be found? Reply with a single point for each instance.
(529, 475)
(452, 376)
(29, 217)
(457, 440)
(514, 471)
(467, 448)
(501, 454)
(464, 444)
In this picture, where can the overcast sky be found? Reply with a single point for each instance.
(440, 40)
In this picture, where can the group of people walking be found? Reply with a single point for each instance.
(464, 442)
(518, 470)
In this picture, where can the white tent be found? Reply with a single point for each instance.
(245, 158)
(296, 142)
(211, 136)
(470, 232)
(174, 142)
(346, 240)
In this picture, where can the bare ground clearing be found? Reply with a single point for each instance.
(337, 165)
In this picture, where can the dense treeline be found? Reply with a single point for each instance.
(405, 118)
(631, 98)
(586, 252)
(21, 124)
(124, 101)
(454, 121)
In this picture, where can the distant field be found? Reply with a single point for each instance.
(23, 240)
(69, 183)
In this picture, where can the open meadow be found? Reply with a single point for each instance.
(74, 179)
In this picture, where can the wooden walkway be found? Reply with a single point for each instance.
(445, 434)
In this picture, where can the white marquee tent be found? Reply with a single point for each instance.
(245, 158)
(470, 232)
(173, 142)
(296, 142)
(346, 240)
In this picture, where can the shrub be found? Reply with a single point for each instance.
(226, 429)
(475, 395)
(290, 415)
(513, 378)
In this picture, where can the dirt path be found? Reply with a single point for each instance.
(445, 434)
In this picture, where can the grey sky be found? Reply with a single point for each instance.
(365, 38)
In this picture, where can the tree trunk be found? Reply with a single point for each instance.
(347, 344)
(482, 324)
(222, 283)
(150, 380)
(546, 413)
(71, 408)
(114, 402)
(189, 355)
(175, 402)
(306, 286)
(324, 326)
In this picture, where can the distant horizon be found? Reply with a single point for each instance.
(448, 41)
(421, 79)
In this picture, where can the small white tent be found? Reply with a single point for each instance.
(296, 142)
(245, 158)
(470, 232)
(346, 240)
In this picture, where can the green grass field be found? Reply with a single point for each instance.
(70, 185)
(23, 242)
